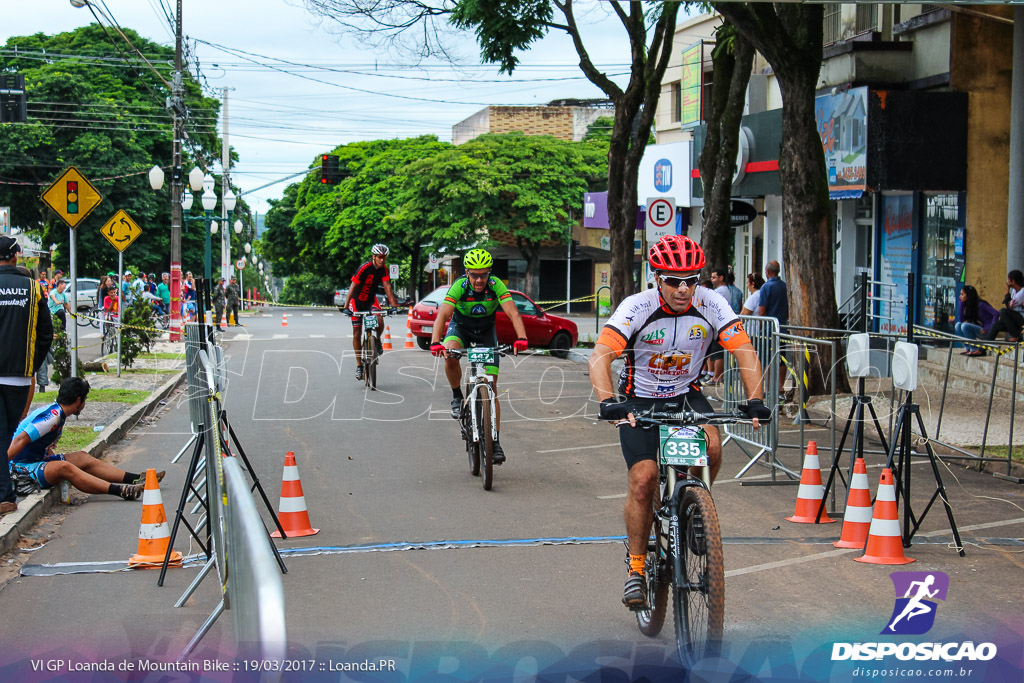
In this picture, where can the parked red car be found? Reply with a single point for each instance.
(543, 330)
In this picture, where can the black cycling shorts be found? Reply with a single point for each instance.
(469, 337)
(639, 443)
(362, 306)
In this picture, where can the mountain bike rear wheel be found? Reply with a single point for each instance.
(699, 595)
(657, 568)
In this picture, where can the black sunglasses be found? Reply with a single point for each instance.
(478, 276)
(674, 281)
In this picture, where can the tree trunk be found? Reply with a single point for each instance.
(718, 158)
(531, 252)
(790, 38)
(622, 205)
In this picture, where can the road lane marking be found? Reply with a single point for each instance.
(579, 448)
(318, 336)
(279, 336)
(307, 315)
(835, 553)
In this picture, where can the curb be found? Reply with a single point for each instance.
(32, 507)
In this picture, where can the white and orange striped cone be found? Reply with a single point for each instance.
(284, 320)
(885, 543)
(386, 346)
(857, 517)
(154, 536)
(292, 512)
(223, 322)
(808, 497)
(408, 333)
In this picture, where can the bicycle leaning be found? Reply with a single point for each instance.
(369, 355)
(478, 419)
(684, 550)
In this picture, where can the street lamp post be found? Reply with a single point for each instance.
(228, 201)
(209, 203)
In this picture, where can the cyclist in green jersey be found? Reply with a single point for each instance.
(467, 317)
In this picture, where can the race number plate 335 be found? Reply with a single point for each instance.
(684, 446)
(371, 322)
(481, 355)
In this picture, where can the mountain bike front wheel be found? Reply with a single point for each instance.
(699, 595)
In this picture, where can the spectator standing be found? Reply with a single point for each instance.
(773, 301)
(735, 295)
(1011, 316)
(26, 333)
(232, 295)
(44, 282)
(219, 301)
(58, 304)
(974, 318)
(188, 297)
(716, 353)
(754, 284)
(163, 290)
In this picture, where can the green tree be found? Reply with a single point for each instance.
(505, 27)
(521, 185)
(89, 108)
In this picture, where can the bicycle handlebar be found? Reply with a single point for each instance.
(502, 350)
(692, 417)
(381, 311)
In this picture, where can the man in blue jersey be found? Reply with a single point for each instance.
(32, 451)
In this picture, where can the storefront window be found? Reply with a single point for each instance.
(938, 261)
(517, 274)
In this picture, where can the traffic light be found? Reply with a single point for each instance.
(13, 100)
(330, 171)
(72, 196)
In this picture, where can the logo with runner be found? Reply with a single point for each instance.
(916, 592)
(655, 337)
(696, 332)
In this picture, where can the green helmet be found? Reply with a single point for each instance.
(477, 258)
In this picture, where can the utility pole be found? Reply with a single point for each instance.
(225, 180)
(178, 112)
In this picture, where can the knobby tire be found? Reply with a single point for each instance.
(467, 434)
(487, 441)
(699, 600)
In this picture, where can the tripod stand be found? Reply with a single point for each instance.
(856, 418)
(903, 442)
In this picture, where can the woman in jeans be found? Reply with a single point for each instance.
(974, 318)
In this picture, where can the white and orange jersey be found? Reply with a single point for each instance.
(665, 350)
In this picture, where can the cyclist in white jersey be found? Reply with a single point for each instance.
(664, 335)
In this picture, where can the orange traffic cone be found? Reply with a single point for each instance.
(223, 322)
(292, 512)
(857, 518)
(284, 320)
(885, 543)
(808, 497)
(154, 536)
(408, 333)
(387, 339)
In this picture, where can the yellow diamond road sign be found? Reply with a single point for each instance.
(72, 197)
(121, 230)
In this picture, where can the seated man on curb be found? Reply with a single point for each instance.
(32, 450)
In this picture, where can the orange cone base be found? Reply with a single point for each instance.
(870, 559)
(153, 561)
(841, 543)
(296, 533)
(807, 517)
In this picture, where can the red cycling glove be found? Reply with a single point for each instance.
(437, 349)
(520, 345)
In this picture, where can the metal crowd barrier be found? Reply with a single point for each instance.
(255, 591)
(756, 443)
(240, 549)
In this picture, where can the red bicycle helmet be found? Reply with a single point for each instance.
(676, 253)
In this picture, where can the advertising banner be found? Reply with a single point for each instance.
(843, 125)
(895, 261)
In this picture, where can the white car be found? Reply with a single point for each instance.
(87, 287)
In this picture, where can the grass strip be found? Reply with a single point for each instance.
(104, 395)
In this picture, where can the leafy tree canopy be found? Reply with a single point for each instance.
(93, 106)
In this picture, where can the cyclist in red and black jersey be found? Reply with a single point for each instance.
(664, 335)
(362, 296)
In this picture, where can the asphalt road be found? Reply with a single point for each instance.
(388, 467)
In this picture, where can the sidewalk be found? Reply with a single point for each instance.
(111, 421)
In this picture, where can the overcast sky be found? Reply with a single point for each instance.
(279, 121)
